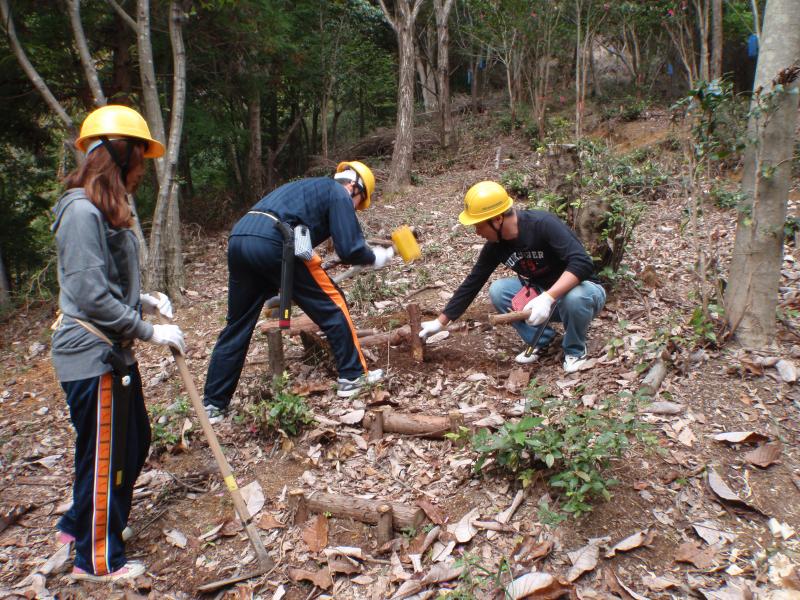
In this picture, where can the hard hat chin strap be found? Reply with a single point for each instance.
(498, 230)
(124, 166)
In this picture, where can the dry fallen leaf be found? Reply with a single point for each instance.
(639, 538)
(659, 584)
(267, 521)
(353, 417)
(529, 550)
(583, 560)
(176, 538)
(690, 552)
(253, 496)
(433, 512)
(721, 489)
(315, 535)
(740, 437)
(712, 533)
(464, 530)
(441, 573)
(321, 578)
(764, 455)
(535, 585)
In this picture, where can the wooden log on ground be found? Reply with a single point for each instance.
(366, 511)
(277, 363)
(415, 324)
(386, 420)
(298, 324)
(385, 530)
(509, 317)
(393, 338)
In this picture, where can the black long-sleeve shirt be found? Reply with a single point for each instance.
(544, 248)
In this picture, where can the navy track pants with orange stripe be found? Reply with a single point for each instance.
(99, 512)
(254, 274)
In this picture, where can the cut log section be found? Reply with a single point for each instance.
(509, 317)
(351, 507)
(384, 420)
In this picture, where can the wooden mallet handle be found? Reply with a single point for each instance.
(509, 317)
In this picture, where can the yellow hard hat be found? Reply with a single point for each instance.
(366, 176)
(118, 121)
(483, 201)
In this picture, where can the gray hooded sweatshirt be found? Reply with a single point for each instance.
(98, 273)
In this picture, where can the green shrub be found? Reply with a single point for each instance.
(281, 409)
(572, 442)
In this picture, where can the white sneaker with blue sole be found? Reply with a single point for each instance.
(350, 387)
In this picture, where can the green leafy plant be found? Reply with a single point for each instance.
(572, 442)
(281, 409)
(476, 580)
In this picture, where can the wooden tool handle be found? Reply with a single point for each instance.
(222, 462)
(510, 317)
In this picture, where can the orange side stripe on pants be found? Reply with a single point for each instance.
(102, 476)
(324, 281)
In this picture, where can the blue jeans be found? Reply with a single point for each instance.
(575, 310)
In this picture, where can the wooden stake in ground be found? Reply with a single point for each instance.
(277, 363)
(385, 531)
(415, 322)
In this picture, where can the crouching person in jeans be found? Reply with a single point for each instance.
(555, 275)
(101, 303)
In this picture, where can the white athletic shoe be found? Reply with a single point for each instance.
(573, 364)
(527, 356)
(351, 387)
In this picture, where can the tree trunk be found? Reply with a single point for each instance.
(752, 292)
(255, 176)
(702, 7)
(36, 80)
(74, 8)
(403, 25)
(323, 120)
(427, 83)
(717, 39)
(443, 69)
(5, 293)
(165, 269)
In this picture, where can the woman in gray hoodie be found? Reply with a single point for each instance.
(101, 306)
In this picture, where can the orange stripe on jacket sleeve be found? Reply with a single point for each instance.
(102, 476)
(324, 281)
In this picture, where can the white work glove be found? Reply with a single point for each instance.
(158, 302)
(430, 327)
(382, 256)
(540, 308)
(169, 335)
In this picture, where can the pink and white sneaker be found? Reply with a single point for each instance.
(129, 572)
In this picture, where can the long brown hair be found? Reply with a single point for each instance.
(101, 179)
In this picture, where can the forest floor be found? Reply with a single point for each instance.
(696, 517)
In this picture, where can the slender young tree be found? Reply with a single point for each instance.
(752, 293)
(402, 21)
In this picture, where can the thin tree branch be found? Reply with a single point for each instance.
(89, 70)
(30, 70)
(125, 16)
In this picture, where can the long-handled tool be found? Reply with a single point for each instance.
(265, 563)
(521, 315)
